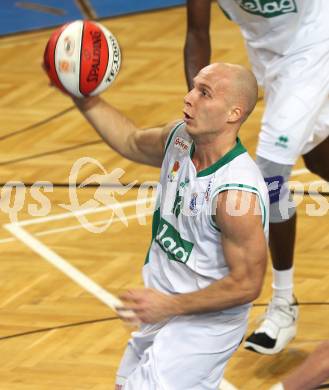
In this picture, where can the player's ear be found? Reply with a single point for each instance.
(235, 115)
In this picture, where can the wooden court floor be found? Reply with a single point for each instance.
(54, 334)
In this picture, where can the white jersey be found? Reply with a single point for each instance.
(280, 26)
(186, 251)
(288, 48)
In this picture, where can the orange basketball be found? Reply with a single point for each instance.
(82, 58)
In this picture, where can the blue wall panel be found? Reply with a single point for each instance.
(105, 8)
(16, 16)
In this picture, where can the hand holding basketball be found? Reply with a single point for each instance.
(82, 58)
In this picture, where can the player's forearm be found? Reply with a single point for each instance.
(243, 284)
(223, 294)
(116, 130)
(196, 54)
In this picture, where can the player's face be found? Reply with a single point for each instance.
(206, 106)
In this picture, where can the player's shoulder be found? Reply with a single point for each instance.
(177, 135)
(243, 162)
(242, 172)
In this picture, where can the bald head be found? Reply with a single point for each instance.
(241, 85)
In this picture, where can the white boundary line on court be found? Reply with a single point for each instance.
(17, 230)
(58, 262)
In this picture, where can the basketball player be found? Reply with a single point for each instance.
(288, 47)
(207, 257)
(311, 373)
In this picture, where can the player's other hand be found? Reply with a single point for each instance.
(149, 305)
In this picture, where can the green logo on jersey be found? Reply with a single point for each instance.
(176, 210)
(177, 204)
(282, 141)
(171, 242)
(268, 8)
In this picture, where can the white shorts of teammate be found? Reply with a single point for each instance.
(296, 86)
(185, 353)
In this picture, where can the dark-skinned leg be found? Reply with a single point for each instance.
(279, 324)
(317, 160)
(282, 235)
(282, 239)
(282, 243)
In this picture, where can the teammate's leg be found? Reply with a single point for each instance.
(282, 243)
(317, 160)
(279, 326)
(294, 121)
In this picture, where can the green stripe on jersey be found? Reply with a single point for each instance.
(155, 226)
(228, 157)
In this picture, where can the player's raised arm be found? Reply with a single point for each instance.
(197, 48)
(78, 76)
(142, 146)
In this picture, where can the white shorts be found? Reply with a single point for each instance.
(186, 353)
(296, 86)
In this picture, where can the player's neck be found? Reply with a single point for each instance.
(208, 151)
